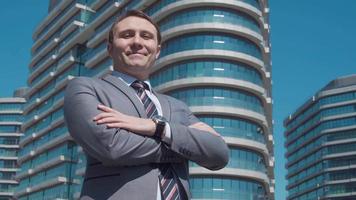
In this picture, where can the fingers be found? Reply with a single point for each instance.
(105, 108)
(107, 120)
(108, 112)
(198, 125)
(114, 125)
(102, 115)
(204, 127)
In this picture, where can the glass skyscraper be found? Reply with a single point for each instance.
(321, 144)
(215, 56)
(10, 132)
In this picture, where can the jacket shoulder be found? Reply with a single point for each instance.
(83, 79)
(174, 101)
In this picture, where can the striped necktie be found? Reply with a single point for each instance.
(140, 88)
(167, 178)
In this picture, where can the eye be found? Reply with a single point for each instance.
(126, 34)
(146, 35)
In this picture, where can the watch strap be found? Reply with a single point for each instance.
(160, 125)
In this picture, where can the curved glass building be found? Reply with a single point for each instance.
(321, 144)
(10, 132)
(215, 56)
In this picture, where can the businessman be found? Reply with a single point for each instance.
(138, 142)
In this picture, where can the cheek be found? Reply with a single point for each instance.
(120, 45)
(152, 47)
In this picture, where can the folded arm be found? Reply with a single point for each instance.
(193, 140)
(111, 146)
(198, 141)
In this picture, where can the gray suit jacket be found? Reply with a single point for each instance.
(122, 164)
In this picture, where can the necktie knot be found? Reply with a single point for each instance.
(149, 106)
(139, 85)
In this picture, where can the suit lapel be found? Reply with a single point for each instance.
(166, 109)
(129, 92)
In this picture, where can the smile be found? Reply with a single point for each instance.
(136, 54)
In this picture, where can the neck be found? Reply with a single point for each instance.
(138, 76)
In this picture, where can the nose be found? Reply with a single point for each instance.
(137, 42)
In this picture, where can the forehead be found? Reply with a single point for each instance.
(135, 23)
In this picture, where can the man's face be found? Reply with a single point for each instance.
(135, 46)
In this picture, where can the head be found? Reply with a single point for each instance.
(134, 44)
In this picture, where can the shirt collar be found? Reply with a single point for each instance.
(128, 79)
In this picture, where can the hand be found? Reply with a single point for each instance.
(114, 119)
(204, 127)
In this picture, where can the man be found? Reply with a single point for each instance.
(137, 142)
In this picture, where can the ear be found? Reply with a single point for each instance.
(158, 51)
(109, 49)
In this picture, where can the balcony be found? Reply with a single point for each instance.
(44, 165)
(97, 3)
(42, 132)
(105, 12)
(67, 40)
(99, 70)
(51, 44)
(50, 17)
(70, 28)
(42, 76)
(100, 33)
(51, 144)
(58, 86)
(65, 16)
(42, 65)
(66, 61)
(44, 115)
(41, 83)
(43, 185)
(98, 55)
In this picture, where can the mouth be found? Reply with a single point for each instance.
(135, 54)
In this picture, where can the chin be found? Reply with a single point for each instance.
(138, 65)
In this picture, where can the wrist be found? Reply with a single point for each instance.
(160, 123)
(152, 127)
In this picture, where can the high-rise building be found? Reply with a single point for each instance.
(215, 56)
(321, 144)
(10, 132)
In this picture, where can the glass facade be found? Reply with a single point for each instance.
(10, 132)
(72, 43)
(320, 142)
(213, 100)
(235, 127)
(207, 68)
(218, 96)
(210, 15)
(224, 188)
(220, 41)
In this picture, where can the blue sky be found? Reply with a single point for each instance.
(17, 21)
(313, 42)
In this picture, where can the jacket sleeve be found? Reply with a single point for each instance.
(111, 146)
(204, 148)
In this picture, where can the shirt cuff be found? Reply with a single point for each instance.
(167, 135)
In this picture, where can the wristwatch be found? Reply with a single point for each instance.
(160, 122)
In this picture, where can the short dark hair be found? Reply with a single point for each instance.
(133, 13)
